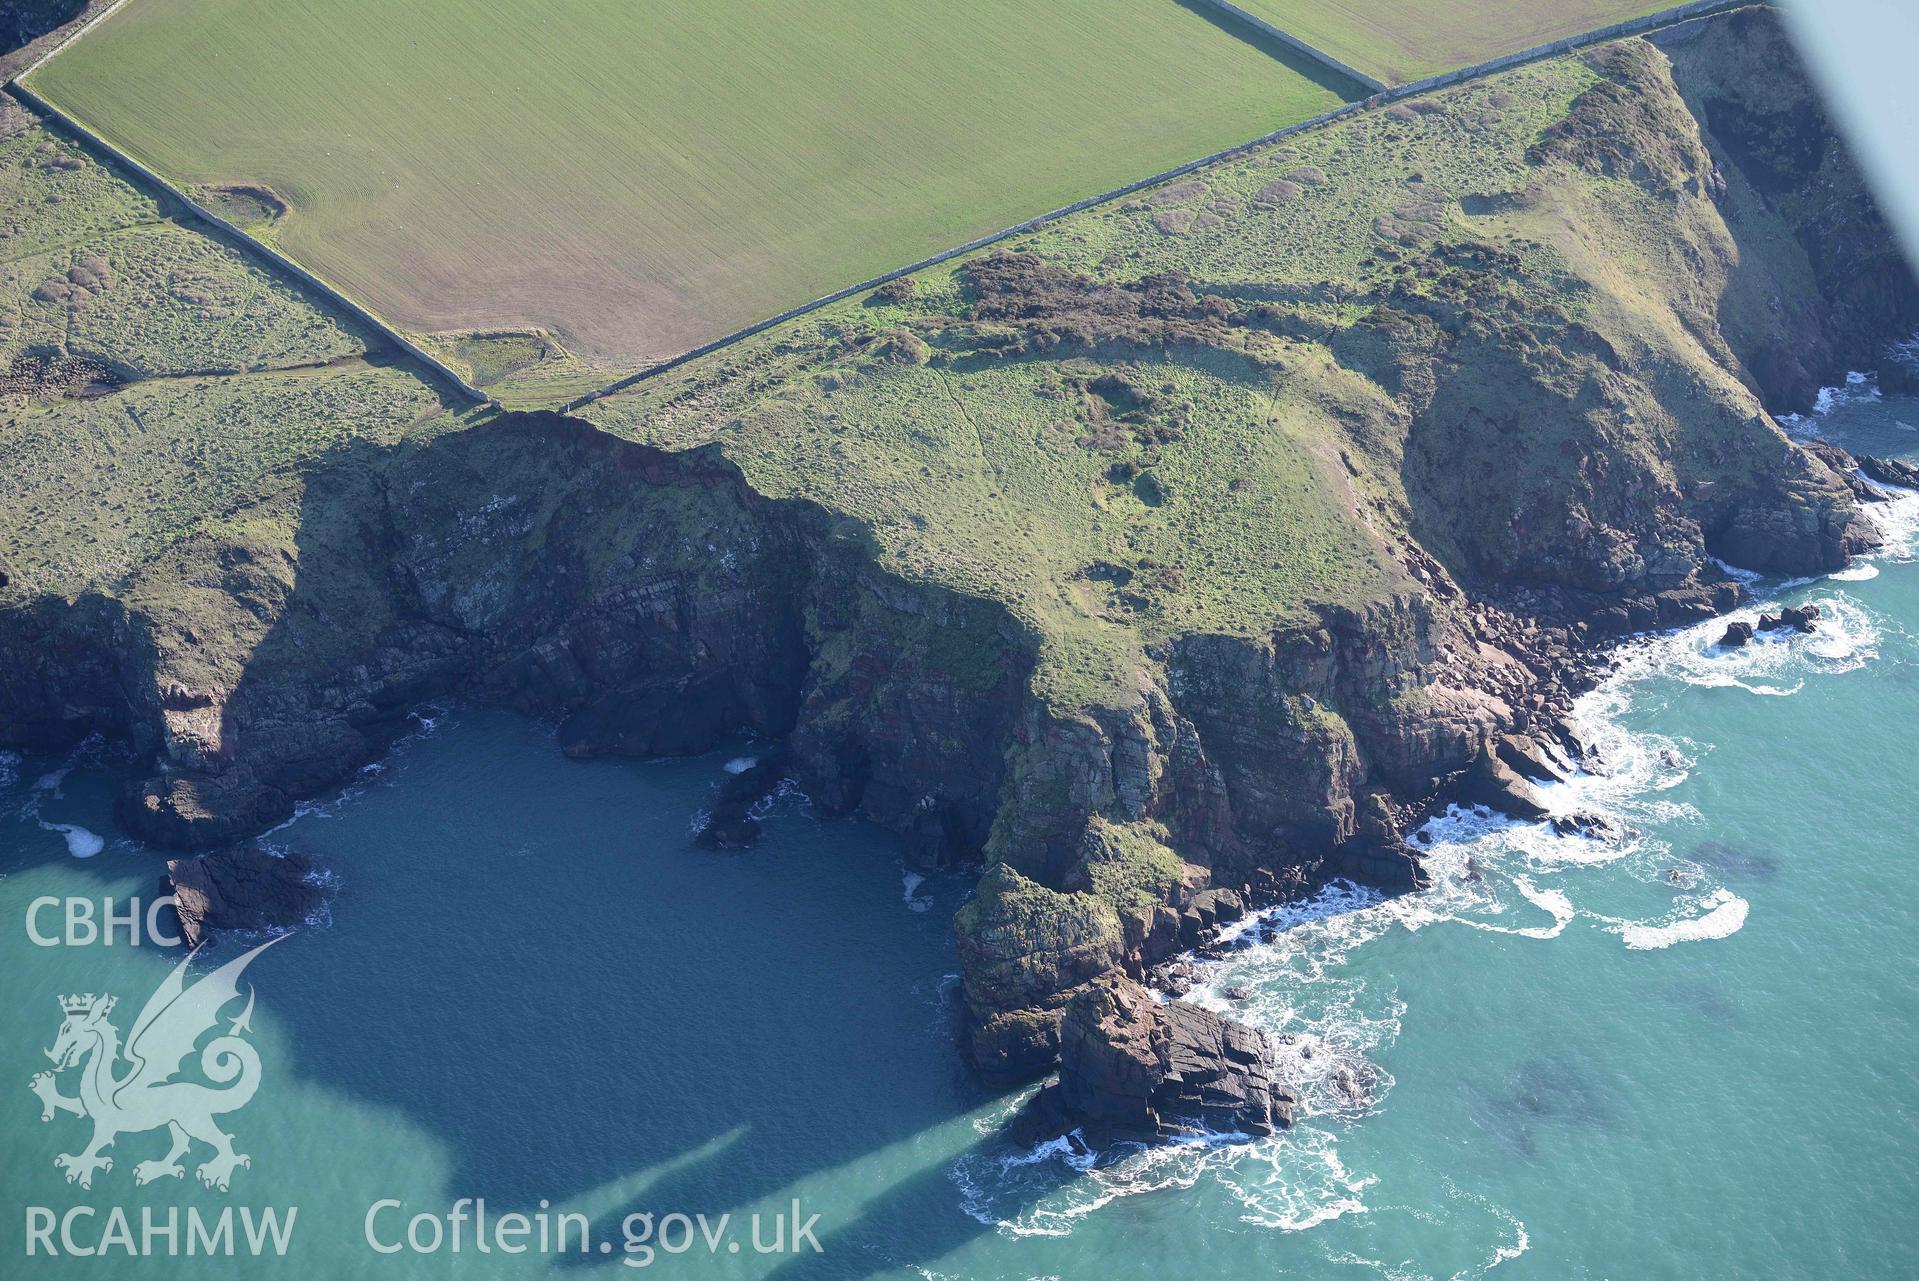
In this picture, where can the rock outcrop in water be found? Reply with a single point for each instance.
(243, 888)
(1890, 471)
(1131, 1067)
(1798, 618)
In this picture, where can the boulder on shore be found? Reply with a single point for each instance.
(1132, 1067)
(1528, 759)
(1493, 783)
(243, 888)
(1890, 471)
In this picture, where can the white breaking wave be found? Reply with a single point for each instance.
(1287, 971)
(1858, 387)
(1725, 914)
(1897, 523)
(81, 843)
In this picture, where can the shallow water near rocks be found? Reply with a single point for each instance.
(1689, 1052)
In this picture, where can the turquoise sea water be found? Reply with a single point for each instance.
(1687, 1053)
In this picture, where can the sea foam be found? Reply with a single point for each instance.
(1725, 914)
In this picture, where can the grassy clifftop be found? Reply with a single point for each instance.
(153, 378)
(1176, 510)
(1508, 325)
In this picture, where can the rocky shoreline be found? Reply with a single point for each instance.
(1137, 1062)
(653, 600)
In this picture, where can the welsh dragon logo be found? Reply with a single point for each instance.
(144, 1096)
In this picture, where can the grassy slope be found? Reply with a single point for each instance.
(1005, 500)
(90, 273)
(1287, 486)
(90, 269)
(639, 178)
(1401, 41)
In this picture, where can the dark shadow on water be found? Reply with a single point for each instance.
(1544, 1095)
(575, 1018)
(530, 966)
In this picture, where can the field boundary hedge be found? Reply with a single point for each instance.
(272, 260)
(1618, 31)
(440, 373)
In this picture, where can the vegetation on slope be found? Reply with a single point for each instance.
(1266, 387)
(152, 377)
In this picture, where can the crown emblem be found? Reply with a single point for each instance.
(82, 1004)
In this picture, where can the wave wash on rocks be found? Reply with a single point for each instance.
(1520, 418)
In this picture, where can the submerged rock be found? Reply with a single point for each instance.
(243, 888)
(1134, 1068)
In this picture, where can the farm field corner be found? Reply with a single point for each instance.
(1400, 41)
(638, 179)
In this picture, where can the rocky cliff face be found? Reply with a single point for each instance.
(648, 602)
(654, 600)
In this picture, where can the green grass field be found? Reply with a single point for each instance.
(638, 178)
(1401, 41)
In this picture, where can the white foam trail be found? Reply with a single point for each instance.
(1725, 915)
(81, 843)
(1286, 971)
(741, 764)
(787, 790)
(915, 901)
(1897, 523)
(1506, 1251)
(1858, 388)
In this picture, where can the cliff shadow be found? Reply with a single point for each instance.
(481, 977)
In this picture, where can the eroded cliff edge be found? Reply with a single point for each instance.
(1180, 556)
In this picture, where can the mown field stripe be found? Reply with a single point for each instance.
(1599, 35)
(1636, 26)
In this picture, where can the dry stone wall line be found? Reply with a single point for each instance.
(1293, 42)
(1637, 26)
(437, 372)
(440, 373)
